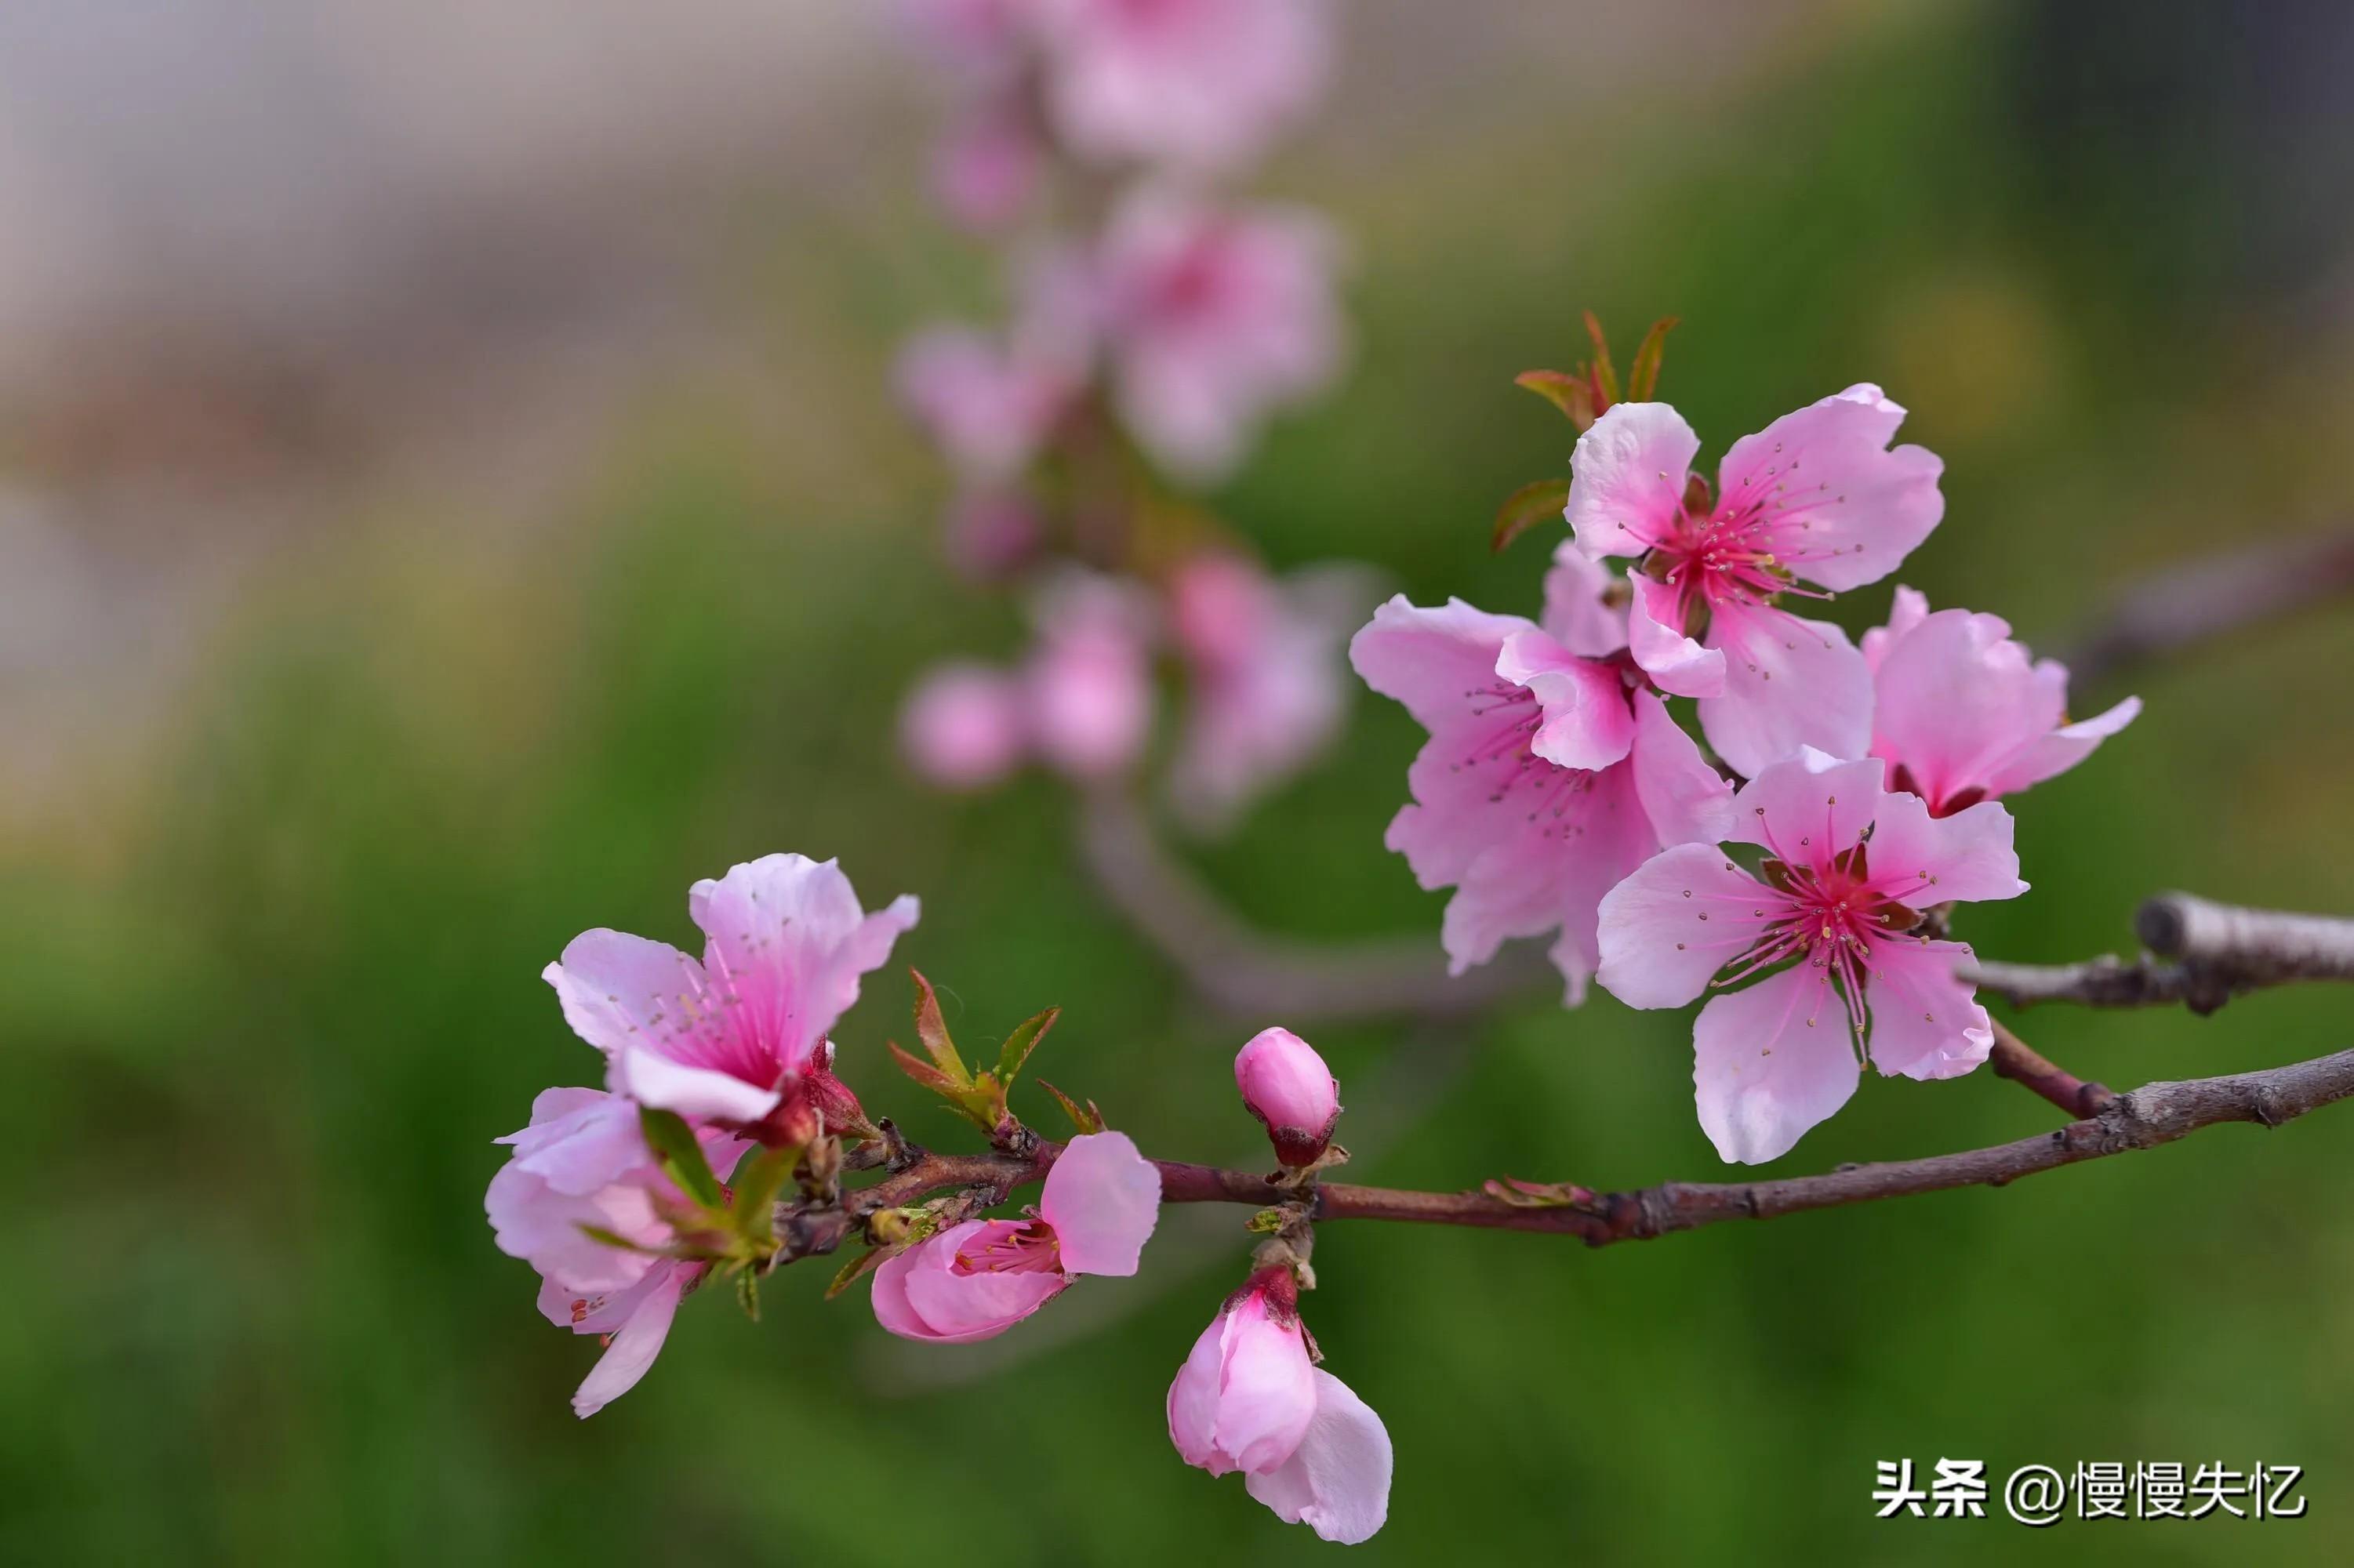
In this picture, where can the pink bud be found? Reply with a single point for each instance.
(1286, 1085)
(962, 727)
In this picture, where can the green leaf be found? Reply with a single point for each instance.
(857, 1268)
(924, 1073)
(758, 1179)
(1088, 1120)
(600, 1233)
(747, 1293)
(1570, 393)
(1643, 376)
(1606, 377)
(673, 1143)
(934, 1034)
(1020, 1042)
(1526, 508)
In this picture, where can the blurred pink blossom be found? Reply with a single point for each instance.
(1544, 783)
(976, 1279)
(1201, 84)
(1816, 497)
(988, 403)
(1089, 676)
(1962, 715)
(1840, 910)
(963, 726)
(988, 169)
(1214, 318)
(990, 534)
(1266, 685)
(785, 945)
(1250, 1398)
(583, 1161)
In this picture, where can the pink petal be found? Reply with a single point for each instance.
(1193, 1402)
(1769, 1063)
(578, 1140)
(1682, 915)
(787, 944)
(1688, 800)
(1267, 1389)
(1626, 479)
(1427, 659)
(1103, 1199)
(2052, 755)
(963, 726)
(617, 990)
(1680, 666)
(1955, 697)
(1587, 723)
(1810, 808)
(892, 1307)
(1920, 860)
(959, 1307)
(1925, 1023)
(1842, 510)
(1613, 837)
(1910, 607)
(655, 1080)
(1337, 1482)
(635, 1348)
(1202, 85)
(1577, 613)
(1788, 683)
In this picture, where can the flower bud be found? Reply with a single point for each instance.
(1286, 1085)
(963, 726)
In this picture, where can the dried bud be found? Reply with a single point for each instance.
(1286, 1085)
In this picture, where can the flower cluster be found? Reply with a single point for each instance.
(1557, 794)
(726, 1065)
(1152, 333)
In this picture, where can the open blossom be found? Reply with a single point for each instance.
(978, 1279)
(1199, 83)
(1286, 1085)
(988, 403)
(1816, 497)
(1251, 1398)
(1265, 685)
(1215, 317)
(963, 727)
(583, 1161)
(786, 943)
(1089, 680)
(1545, 780)
(1962, 715)
(1851, 866)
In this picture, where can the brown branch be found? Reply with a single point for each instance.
(2015, 1059)
(2141, 1118)
(2201, 954)
(2210, 598)
(1255, 977)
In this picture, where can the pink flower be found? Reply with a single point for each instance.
(1250, 1398)
(1286, 1085)
(978, 1279)
(786, 944)
(988, 169)
(1201, 83)
(583, 1161)
(1851, 867)
(1962, 717)
(1544, 781)
(988, 403)
(1266, 684)
(1215, 318)
(1817, 497)
(1090, 677)
(963, 727)
(992, 534)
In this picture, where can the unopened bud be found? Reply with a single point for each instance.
(1286, 1085)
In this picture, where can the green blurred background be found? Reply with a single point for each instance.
(373, 638)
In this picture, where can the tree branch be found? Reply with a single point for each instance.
(2208, 598)
(2141, 1118)
(1252, 976)
(2201, 954)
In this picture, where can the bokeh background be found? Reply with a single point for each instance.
(452, 500)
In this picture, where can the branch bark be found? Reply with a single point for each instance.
(2210, 598)
(2145, 1118)
(2201, 954)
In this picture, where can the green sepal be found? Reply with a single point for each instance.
(675, 1145)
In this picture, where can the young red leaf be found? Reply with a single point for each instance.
(1526, 508)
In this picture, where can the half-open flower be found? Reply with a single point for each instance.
(978, 1279)
(1962, 713)
(786, 943)
(1838, 902)
(1816, 497)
